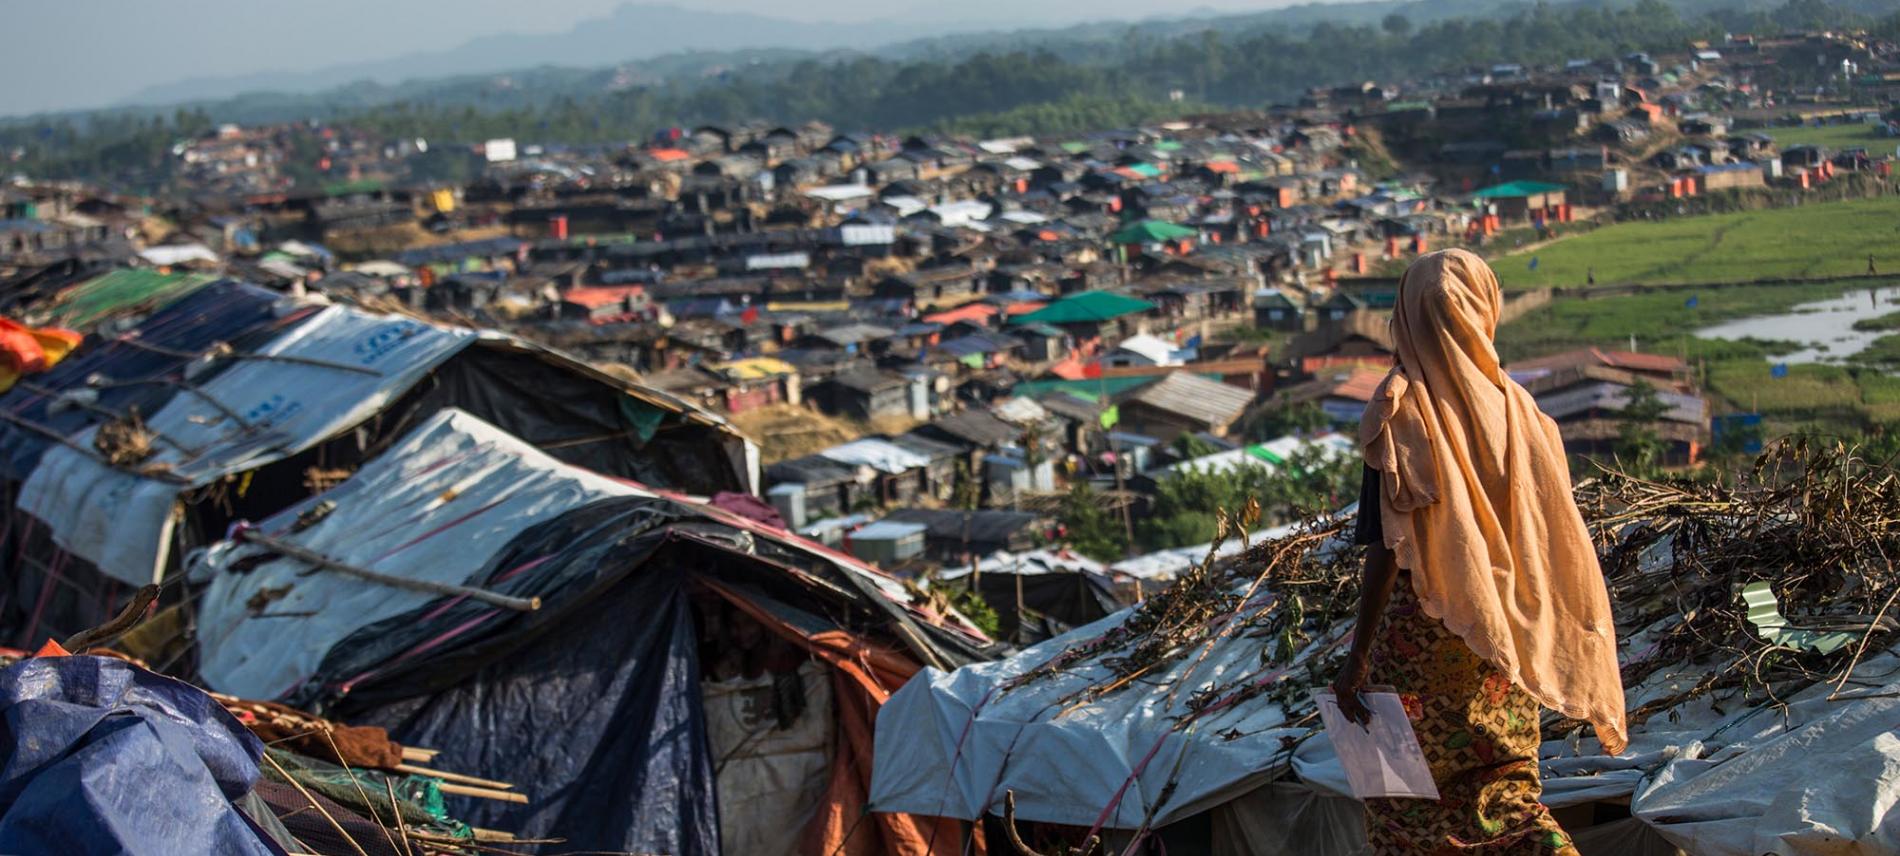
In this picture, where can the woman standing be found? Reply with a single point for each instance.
(1482, 598)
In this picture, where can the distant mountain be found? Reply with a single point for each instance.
(631, 32)
(645, 43)
(1080, 42)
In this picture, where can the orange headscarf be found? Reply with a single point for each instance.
(1476, 499)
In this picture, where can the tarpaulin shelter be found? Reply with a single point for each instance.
(1037, 594)
(1085, 307)
(233, 403)
(1222, 744)
(114, 295)
(1151, 232)
(99, 756)
(599, 703)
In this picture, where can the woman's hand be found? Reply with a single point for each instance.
(1375, 592)
(1346, 689)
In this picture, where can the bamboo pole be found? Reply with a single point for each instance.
(389, 786)
(311, 557)
(457, 778)
(484, 793)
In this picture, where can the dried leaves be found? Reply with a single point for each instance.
(1815, 520)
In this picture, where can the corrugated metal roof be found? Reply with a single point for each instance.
(1195, 397)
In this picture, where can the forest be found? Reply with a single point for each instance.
(1040, 90)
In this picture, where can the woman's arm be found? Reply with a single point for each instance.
(1375, 593)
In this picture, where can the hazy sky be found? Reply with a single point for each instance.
(65, 54)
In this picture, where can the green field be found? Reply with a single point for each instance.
(1835, 137)
(1824, 239)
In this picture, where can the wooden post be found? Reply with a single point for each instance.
(310, 557)
(1019, 606)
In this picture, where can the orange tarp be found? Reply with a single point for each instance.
(980, 312)
(1069, 369)
(28, 350)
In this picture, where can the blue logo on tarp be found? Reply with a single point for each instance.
(374, 346)
(271, 411)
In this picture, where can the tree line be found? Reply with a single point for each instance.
(1030, 90)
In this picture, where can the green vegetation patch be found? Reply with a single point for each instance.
(1889, 321)
(1823, 239)
(1837, 137)
(1807, 388)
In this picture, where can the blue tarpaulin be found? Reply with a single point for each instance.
(597, 715)
(600, 722)
(101, 756)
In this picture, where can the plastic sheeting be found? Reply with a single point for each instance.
(881, 455)
(265, 410)
(591, 703)
(102, 757)
(221, 312)
(436, 507)
(1710, 775)
(1741, 796)
(583, 418)
(1285, 819)
(599, 724)
(950, 744)
(772, 776)
(1168, 564)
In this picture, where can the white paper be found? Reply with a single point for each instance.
(1382, 758)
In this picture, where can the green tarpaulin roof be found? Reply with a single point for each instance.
(1152, 232)
(1517, 188)
(1084, 307)
(1147, 169)
(1111, 387)
(125, 290)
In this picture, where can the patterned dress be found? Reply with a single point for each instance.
(1479, 733)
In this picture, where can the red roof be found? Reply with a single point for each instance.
(1629, 361)
(1360, 385)
(1069, 369)
(1635, 362)
(596, 296)
(980, 312)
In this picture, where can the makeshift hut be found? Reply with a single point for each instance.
(1760, 659)
(107, 757)
(233, 402)
(655, 673)
(1037, 594)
